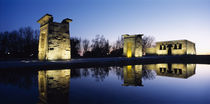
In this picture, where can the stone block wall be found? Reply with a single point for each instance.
(191, 50)
(54, 40)
(177, 47)
(132, 45)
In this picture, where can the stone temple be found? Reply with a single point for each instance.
(176, 47)
(132, 45)
(54, 39)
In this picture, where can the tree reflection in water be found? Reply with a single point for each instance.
(148, 74)
(28, 78)
(100, 73)
(21, 78)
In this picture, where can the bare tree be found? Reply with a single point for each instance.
(75, 47)
(85, 45)
(147, 42)
(100, 46)
(118, 44)
(117, 48)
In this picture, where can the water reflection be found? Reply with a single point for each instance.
(54, 86)
(173, 70)
(21, 78)
(132, 75)
(99, 73)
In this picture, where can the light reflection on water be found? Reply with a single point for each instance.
(151, 83)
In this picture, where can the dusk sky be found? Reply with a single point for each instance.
(163, 19)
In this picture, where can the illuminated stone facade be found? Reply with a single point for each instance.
(132, 75)
(54, 39)
(132, 45)
(54, 86)
(173, 70)
(177, 47)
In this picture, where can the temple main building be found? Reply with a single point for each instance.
(176, 47)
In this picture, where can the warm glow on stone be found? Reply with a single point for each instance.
(176, 47)
(132, 45)
(172, 70)
(132, 75)
(129, 53)
(53, 83)
(54, 40)
(129, 67)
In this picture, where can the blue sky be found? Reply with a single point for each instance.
(163, 19)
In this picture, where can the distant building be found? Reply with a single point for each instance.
(132, 45)
(54, 39)
(176, 47)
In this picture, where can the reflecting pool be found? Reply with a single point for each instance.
(163, 83)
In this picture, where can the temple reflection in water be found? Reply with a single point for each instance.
(133, 74)
(54, 86)
(173, 70)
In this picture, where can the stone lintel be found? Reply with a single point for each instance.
(45, 19)
(174, 41)
(67, 20)
(132, 36)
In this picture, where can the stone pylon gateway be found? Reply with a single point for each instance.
(132, 45)
(54, 39)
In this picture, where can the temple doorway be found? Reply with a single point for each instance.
(169, 49)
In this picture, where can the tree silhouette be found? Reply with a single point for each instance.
(100, 46)
(86, 47)
(24, 44)
(75, 47)
(117, 48)
(147, 42)
(19, 44)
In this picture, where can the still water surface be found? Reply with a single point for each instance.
(131, 84)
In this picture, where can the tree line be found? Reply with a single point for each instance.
(101, 47)
(23, 44)
(97, 47)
